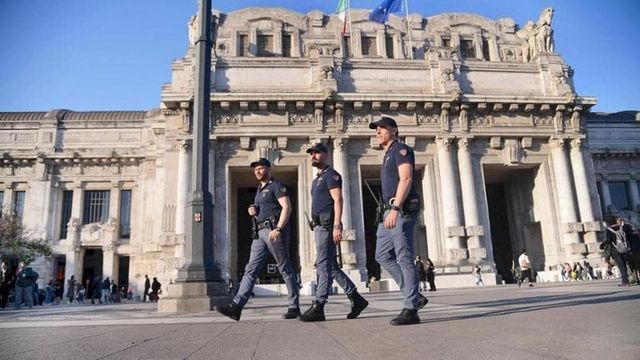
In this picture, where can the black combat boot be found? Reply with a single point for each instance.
(406, 317)
(315, 313)
(230, 310)
(422, 301)
(292, 313)
(358, 303)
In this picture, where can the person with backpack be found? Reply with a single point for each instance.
(26, 277)
(617, 245)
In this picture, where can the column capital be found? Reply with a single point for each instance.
(443, 142)
(464, 144)
(578, 144)
(557, 142)
(340, 143)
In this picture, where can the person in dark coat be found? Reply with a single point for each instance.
(155, 290)
(422, 273)
(6, 281)
(147, 286)
(71, 289)
(431, 275)
(26, 277)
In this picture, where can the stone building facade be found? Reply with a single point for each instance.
(508, 155)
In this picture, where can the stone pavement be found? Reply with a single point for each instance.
(586, 320)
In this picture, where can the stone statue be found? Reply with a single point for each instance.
(537, 38)
(193, 30)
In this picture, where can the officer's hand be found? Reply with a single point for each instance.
(337, 235)
(252, 211)
(274, 235)
(390, 221)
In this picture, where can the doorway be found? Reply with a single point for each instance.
(123, 272)
(91, 268)
(516, 204)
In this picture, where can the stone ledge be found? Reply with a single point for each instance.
(191, 297)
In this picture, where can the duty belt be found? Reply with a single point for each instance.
(265, 225)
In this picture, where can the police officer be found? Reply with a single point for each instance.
(394, 247)
(326, 205)
(271, 210)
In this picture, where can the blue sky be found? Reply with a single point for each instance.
(116, 54)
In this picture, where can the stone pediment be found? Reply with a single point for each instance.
(256, 14)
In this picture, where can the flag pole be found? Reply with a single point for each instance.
(350, 24)
(406, 11)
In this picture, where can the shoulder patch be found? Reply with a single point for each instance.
(403, 152)
(336, 177)
(283, 190)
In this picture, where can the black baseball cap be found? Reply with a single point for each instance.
(384, 122)
(261, 162)
(316, 148)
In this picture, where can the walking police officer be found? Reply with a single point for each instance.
(326, 205)
(394, 247)
(270, 213)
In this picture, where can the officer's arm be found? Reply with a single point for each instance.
(286, 211)
(336, 195)
(405, 173)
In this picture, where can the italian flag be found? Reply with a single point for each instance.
(341, 11)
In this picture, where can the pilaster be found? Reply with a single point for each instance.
(474, 231)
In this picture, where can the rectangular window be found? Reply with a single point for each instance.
(485, 50)
(369, 46)
(467, 49)
(265, 45)
(347, 46)
(446, 42)
(96, 206)
(619, 195)
(18, 203)
(125, 214)
(389, 45)
(243, 45)
(286, 45)
(65, 216)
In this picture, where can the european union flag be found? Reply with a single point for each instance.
(381, 13)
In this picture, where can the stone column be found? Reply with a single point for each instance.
(73, 255)
(474, 231)
(587, 215)
(633, 190)
(570, 227)
(181, 187)
(453, 229)
(341, 164)
(606, 195)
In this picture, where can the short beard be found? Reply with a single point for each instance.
(317, 164)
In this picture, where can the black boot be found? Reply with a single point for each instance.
(230, 310)
(358, 303)
(422, 302)
(315, 313)
(292, 313)
(406, 317)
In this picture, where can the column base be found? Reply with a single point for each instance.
(478, 255)
(190, 297)
(455, 256)
(576, 248)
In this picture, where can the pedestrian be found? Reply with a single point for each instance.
(26, 277)
(115, 294)
(147, 286)
(401, 204)
(477, 274)
(156, 289)
(6, 281)
(431, 275)
(326, 212)
(71, 289)
(270, 216)
(96, 287)
(525, 268)
(616, 246)
(634, 254)
(81, 292)
(106, 293)
(49, 293)
(422, 274)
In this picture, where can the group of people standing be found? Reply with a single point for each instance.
(24, 284)
(426, 273)
(622, 248)
(394, 247)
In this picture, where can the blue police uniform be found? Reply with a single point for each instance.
(269, 208)
(394, 248)
(327, 267)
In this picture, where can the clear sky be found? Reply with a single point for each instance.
(116, 54)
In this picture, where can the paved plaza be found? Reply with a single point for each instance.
(587, 320)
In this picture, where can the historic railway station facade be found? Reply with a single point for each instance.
(508, 155)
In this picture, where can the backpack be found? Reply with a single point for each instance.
(621, 244)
